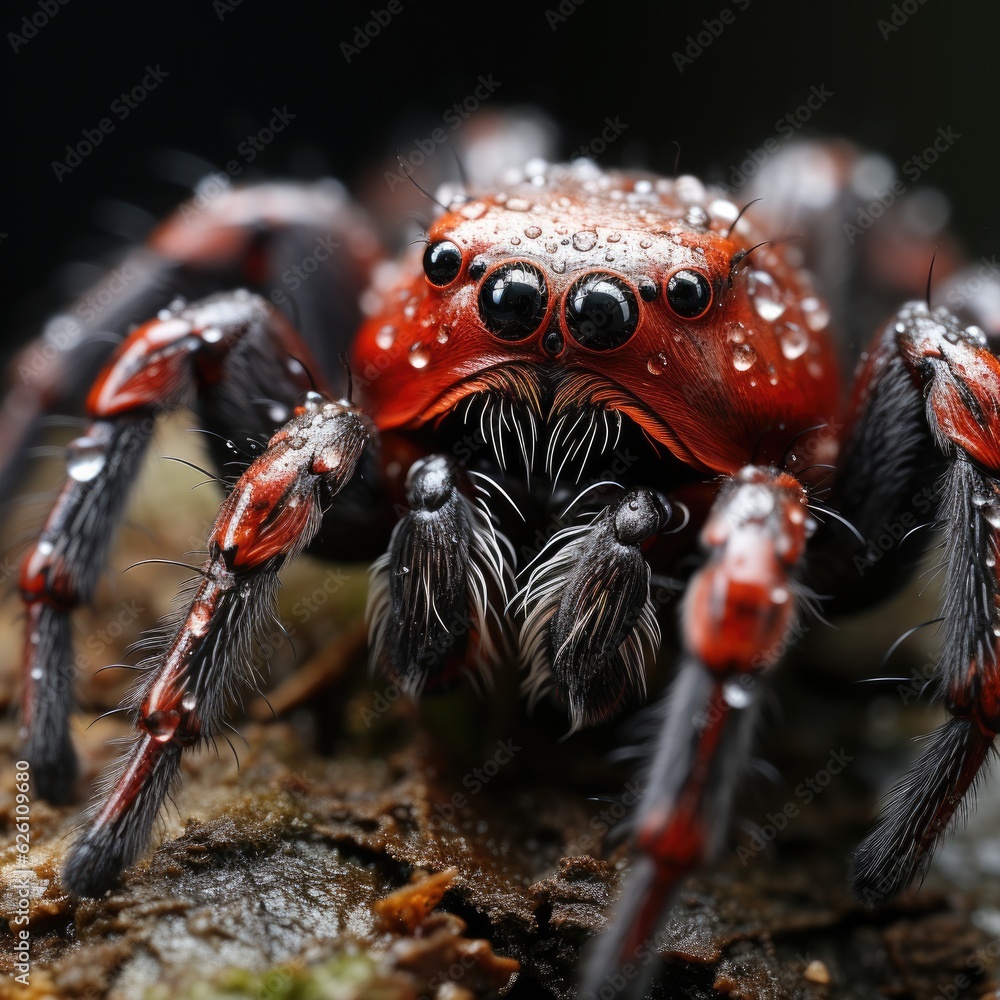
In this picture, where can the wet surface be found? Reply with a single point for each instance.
(280, 877)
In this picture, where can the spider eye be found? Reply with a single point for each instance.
(689, 294)
(442, 262)
(601, 311)
(512, 300)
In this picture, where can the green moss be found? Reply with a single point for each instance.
(348, 977)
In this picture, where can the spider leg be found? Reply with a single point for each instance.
(273, 512)
(228, 352)
(946, 384)
(305, 246)
(737, 610)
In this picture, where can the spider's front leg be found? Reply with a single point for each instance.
(928, 402)
(230, 356)
(274, 511)
(737, 610)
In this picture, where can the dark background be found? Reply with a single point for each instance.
(604, 60)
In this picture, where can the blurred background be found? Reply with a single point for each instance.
(720, 79)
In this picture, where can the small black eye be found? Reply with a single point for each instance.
(512, 300)
(601, 311)
(442, 262)
(689, 294)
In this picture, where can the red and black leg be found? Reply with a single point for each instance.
(929, 401)
(273, 512)
(307, 248)
(236, 359)
(737, 611)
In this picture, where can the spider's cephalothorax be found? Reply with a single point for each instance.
(578, 380)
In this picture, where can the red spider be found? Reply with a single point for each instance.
(574, 339)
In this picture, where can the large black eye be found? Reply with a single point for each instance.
(601, 311)
(512, 300)
(442, 262)
(689, 294)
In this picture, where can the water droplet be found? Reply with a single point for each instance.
(744, 357)
(794, 341)
(779, 595)
(723, 210)
(658, 364)
(697, 217)
(737, 695)
(385, 337)
(45, 548)
(189, 702)
(313, 401)
(161, 725)
(419, 355)
(85, 459)
(584, 240)
(473, 210)
(533, 232)
(519, 205)
(515, 241)
(212, 335)
(642, 187)
(442, 335)
(765, 296)
(411, 310)
(37, 673)
(614, 237)
(817, 317)
(558, 266)
(551, 247)
(645, 244)
(277, 413)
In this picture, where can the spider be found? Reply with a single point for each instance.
(580, 378)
